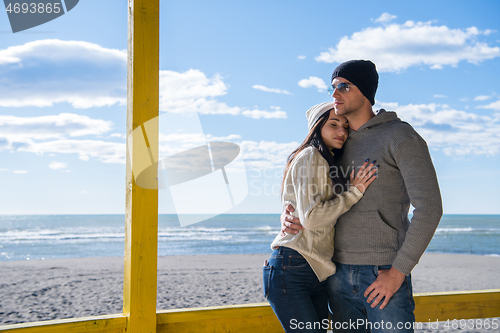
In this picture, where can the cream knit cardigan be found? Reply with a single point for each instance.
(308, 188)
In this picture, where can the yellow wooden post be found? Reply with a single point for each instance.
(141, 225)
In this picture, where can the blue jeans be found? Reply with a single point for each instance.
(350, 312)
(297, 297)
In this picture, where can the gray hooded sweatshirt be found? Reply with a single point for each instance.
(377, 231)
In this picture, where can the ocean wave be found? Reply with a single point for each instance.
(6, 255)
(265, 228)
(58, 234)
(193, 237)
(467, 230)
(68, 234)
(47, 237)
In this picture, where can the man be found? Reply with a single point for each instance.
(376, 246)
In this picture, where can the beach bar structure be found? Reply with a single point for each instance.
(141, 232)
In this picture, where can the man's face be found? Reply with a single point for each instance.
(347, 103)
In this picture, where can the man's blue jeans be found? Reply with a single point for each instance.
(297, 297)
(350, 312)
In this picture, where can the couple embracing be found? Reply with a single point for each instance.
(347, 246)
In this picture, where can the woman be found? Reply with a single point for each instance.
(295, 276)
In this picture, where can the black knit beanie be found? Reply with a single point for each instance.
(362, 73)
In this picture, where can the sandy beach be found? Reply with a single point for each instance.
(65, 288)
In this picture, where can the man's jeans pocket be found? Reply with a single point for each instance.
(378, 268)
(267, 272)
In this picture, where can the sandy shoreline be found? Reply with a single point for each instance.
(65, 288)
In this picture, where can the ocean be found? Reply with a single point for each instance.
(39, 237)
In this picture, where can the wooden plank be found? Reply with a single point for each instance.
(457, 305)
(213, 312)
(102, 324)
(260, 317)
(249, 318)
(141, 226)
(246, 324)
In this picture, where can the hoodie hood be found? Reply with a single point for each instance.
(382, 117)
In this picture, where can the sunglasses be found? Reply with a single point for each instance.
(342, 87)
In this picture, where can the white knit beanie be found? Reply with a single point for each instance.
(314, 113)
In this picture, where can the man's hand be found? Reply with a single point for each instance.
(290, 224)
(386, 284)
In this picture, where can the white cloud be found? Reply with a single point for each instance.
(301, 57)
(231, 137)
(454, 132)
(174, 143)
(493, 106)
(23, 129)
(440, 96)
(21, 172)
(58, 165)
(258, 114)
(30, 135)
(313, 82)
(80, 73)
(262, 154)
(64, 50)
(385, 17)
(395, 47)
(182, 137)
(257, 155)
(3, 169)
(27, 133)
(266, 154)
(278, 91)
(87, 75)
(482, 98)
(193, 91)
(106, 152)
(51, 135)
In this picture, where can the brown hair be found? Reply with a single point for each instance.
(314, 139)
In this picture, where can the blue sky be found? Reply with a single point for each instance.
(250, 70)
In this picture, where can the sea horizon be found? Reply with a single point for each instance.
(55, 236)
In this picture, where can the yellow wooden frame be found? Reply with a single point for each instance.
(141, 214)
(141, 232)
(250, 318)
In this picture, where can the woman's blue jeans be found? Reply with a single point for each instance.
(297, 297)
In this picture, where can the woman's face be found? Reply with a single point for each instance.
(334, 131)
